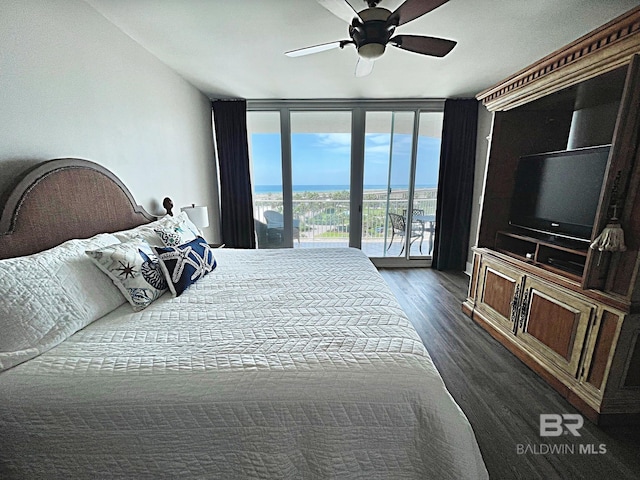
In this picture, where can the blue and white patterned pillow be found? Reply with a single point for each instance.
(134, 268)
(185, 264)
(175, 235)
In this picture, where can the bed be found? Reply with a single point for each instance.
(282, 364)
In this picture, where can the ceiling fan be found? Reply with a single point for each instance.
(372, 29)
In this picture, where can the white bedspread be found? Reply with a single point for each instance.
(280, 364)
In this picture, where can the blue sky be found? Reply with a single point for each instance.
(323, 159)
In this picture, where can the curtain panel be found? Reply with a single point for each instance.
(455, 184)
(236, 201)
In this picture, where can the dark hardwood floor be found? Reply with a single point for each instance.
(501, 396)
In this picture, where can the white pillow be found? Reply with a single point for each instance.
(48, 296)
(147, 232)
(144, 232)
(182, 220)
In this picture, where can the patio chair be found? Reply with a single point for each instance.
(414, 212)
(275, 226)
(398, 227)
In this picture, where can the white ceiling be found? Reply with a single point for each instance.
(235, 48)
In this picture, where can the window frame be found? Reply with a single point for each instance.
(358, 109)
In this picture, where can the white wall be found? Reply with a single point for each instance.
(74, 85)
(485, 119)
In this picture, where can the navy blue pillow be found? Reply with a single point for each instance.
(185, 264)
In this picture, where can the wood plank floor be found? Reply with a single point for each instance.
(501, 396)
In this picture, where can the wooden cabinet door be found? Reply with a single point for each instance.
(600, 348)
(554, 323)
(498, 293)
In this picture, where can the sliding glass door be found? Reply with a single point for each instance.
(400, 183)
(266, 177)
(320, 172)
(387, 175)
(425, 181)
(336, 177)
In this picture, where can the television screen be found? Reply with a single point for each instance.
(558, 192)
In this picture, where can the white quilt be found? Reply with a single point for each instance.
(280, 364)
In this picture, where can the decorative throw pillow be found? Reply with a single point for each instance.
(185, 264)
(181, 232)
(134, 269)
(173, 236)
(185, 222)
(147, 233)
(144, 232)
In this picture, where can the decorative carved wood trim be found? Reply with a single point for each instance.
(600, 51)
(514, 303)
(524, 312)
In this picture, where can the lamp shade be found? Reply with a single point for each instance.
(199, 215)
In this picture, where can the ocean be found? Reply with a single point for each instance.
(261, 189)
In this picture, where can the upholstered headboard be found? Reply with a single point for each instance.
(62, 199)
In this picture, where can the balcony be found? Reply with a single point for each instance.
(324, 219)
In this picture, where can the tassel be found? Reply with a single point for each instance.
(610, 240)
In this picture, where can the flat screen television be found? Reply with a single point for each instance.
(557, 193)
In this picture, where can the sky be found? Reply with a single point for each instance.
(324, 159)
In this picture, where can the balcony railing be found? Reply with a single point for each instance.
(324, 216)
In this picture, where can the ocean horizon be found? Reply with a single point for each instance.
(258, 189)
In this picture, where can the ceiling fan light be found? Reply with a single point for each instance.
(371, 50)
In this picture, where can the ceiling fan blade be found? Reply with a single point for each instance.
(412, 9)
(364, 66)
(314, 49)
(340, 8)
(436, 47)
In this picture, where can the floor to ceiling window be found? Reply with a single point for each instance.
(425, 181)
(338, 174)
(266, 175)
(320, 174)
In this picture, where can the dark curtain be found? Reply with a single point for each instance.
(455, 184)
(236, 202)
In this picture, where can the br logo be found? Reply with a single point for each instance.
(554, 425)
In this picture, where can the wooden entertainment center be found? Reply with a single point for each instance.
(571, 313)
